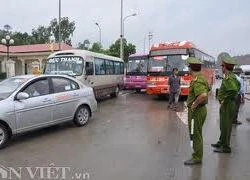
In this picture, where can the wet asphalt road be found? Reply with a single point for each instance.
(134, 137)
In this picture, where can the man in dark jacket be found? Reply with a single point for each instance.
(174, 89)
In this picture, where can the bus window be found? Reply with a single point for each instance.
(109, 67)
(122, 68)
(99, 66)
(89, 68)
(117, 68)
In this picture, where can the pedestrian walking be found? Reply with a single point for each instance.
(240, 97)
(174, 83)
(197, 111)
(227, 95)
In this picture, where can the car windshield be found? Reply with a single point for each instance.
(8, 86)
(69, 65)
(167, 63)
(137, 66)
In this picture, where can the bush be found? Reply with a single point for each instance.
(3, 75)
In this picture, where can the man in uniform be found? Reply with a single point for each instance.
(227, 95)
(197, 111)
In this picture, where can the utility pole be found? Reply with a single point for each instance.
(59, 29)
(121, 36)
(150, 37)
(144, 45)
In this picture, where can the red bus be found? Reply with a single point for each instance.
(164, 57)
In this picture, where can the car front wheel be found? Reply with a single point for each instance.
(82, 116)
(4, 136)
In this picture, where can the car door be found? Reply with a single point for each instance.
(36, 111)
(66, 95)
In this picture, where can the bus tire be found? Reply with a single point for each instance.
(116, 93)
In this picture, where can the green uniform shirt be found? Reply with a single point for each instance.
(198, 86)
(229, 89)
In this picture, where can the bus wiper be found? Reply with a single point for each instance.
(71, 75)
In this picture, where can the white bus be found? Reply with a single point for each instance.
(104, 73)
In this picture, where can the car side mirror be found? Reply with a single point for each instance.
(22, 96)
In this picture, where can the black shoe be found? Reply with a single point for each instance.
(237, 123)
(222, 150)
(217, 145)
(191, 162)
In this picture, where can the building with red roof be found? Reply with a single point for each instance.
(25, 58)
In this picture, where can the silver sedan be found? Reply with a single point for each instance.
(31, 102)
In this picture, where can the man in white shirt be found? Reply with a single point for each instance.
(240, 98)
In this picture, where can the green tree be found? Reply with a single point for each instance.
(21, 38)
(67, 29)
(84, 45)
(114, 49)
(40, 35)
(97, 47)
(7, 28)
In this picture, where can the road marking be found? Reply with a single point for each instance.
(183, 116)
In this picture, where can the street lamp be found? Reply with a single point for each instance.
(7, 41)
(122, 35)
(100, 33)
(134, 14)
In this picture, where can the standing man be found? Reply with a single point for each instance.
(197, 111)
(227, 95)
(174, 83)
(240, 97)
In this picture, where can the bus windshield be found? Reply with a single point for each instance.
(137, 67)
(167, 63)
(70, 65)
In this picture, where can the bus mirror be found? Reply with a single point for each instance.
(85, 76)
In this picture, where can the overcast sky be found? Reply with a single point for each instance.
(213, 25)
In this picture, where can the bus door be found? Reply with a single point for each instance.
(89, 78)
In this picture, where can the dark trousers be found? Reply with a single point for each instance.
(174, 98)
(237, 107)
